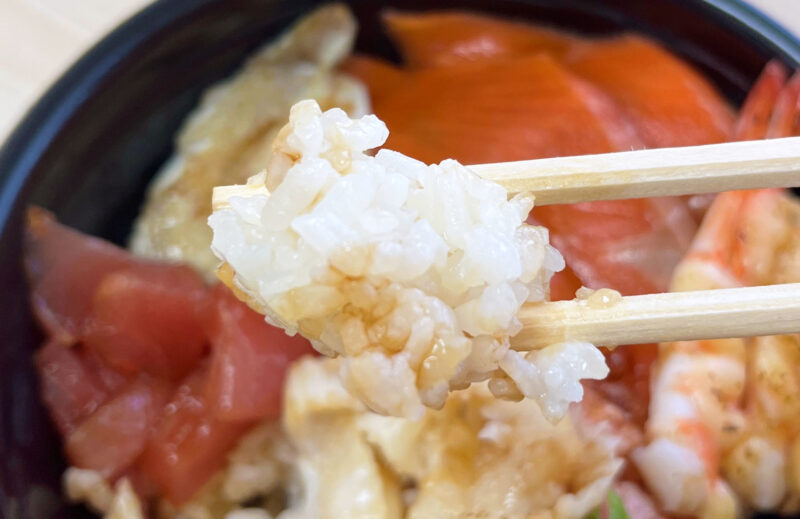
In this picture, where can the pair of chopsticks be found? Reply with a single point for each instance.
(679, 316)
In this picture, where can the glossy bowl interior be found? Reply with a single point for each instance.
(89, 147)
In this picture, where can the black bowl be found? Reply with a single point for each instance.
(90, 145)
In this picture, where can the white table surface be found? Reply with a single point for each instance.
(39, 39)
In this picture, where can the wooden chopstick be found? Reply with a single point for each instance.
(657, 172)
(679, 316)
(674, 316)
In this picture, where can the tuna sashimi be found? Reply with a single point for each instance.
(64, 268)
(123, 331)
(70, 386)
(189, 445)
(115, 435)
(248, 362)
(150, 318)
(134, 314)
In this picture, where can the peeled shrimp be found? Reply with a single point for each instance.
(696, 386)
(720, 410)
(758, 464)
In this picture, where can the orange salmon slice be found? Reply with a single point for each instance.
(669, 102)
(510, 110)
(445, 38)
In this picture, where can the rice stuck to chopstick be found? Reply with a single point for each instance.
(413, 273)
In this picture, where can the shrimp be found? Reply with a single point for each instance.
(759, 117)
(720, 409)
(754, 117)
(697, 386)
(759, 464)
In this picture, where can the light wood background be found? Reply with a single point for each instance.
(40, 38)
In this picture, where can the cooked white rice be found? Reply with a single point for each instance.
(413, 273)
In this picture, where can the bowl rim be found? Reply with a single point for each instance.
(44, 119)
(34, 132)
(747, 16)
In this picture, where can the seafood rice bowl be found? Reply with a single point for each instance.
(315, 311)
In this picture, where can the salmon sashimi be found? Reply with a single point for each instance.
(628, 383)
(532, 107)
(669, 102)
(630, 245)
(516, 109)
(487, 111)
(564, 284)
(449, 37)
(383, 78)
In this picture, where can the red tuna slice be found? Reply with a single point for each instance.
(189, 445)
(248, 362)
(64, 268)
(113, 437)
(150, 317)
(71, 387)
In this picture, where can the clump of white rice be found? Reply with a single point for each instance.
(413, 273)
